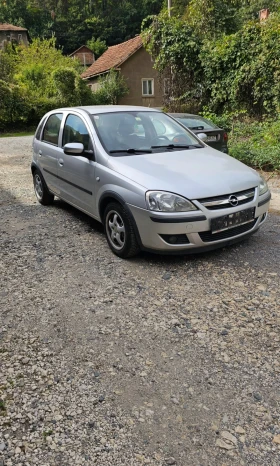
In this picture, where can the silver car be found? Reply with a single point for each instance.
(152, 183)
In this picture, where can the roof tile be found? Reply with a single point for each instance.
(113, 57)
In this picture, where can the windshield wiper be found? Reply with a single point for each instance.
(131, 151)
(177, 146)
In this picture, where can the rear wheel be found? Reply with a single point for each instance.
(120, 232)
(41, 190)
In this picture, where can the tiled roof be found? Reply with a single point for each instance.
(114, 57)
(10, 27)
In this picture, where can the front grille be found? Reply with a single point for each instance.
(175, 239)
(208, 236)
(222, 202)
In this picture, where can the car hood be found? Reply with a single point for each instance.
(195, 173)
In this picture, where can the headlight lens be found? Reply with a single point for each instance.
(162, 201)
(263, 186)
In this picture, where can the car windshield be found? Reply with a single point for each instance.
(196, 123)
(138, 132)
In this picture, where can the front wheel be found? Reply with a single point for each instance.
(41, 190)
(120, 232)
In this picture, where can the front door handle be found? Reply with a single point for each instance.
(40, 153)
(61, 162)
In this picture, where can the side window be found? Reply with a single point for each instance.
(52, 127)
(75, 130)
(39, 129)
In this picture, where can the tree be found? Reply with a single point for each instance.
(97, 46)
(175, 48)
(111, 88)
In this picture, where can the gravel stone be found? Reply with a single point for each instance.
(103, 361)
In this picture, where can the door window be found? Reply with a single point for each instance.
(52, 128)
(75, 130)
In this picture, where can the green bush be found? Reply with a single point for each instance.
(111, 88)
(257, 144)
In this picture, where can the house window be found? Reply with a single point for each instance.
(147, 87)
(19, 37)
(8, 38)
(166, 86)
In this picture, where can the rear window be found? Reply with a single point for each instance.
(196, 123)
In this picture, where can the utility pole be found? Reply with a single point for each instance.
(169, 7)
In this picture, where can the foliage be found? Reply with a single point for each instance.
(175, 48)
(207, 60)
(211, 18)
(8, 58)
(242, 70)
(74, 22)
(257, 144)
(97, 46)
(35, 80)
(111, 88)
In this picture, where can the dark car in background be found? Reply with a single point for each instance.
(215, 136)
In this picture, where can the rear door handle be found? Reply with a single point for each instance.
(40, 153)
(61, 162)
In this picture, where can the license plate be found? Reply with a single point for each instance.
(211, 138)
(232, 220)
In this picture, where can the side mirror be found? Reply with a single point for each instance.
(73, 148)
(202, 136)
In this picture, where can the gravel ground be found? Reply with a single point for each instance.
(156, 360)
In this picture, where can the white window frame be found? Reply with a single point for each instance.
(153, 87)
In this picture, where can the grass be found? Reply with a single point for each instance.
(22, 133)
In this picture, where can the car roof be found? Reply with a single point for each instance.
(94, 109)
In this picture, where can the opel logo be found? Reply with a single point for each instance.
(233, 201)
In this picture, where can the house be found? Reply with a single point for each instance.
(84, 55)
(135, 64)
(11, 33)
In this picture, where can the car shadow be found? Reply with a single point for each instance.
(156, 258)
(90, 222)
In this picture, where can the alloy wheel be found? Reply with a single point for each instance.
(115, 230)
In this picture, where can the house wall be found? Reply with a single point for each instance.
(137, 67)
(85, 56)
(14, 36)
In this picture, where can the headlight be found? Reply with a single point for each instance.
(161, 201)
(263, 186)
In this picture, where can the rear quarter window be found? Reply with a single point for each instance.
(39, 129)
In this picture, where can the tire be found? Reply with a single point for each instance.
(41, 190)
(120, 232)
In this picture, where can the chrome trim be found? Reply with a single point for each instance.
(242, 197)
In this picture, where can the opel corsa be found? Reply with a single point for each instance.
(152, 183)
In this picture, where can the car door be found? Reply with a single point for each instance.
(76, 173)
(46, 150)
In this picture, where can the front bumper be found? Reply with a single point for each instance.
(192, 230)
